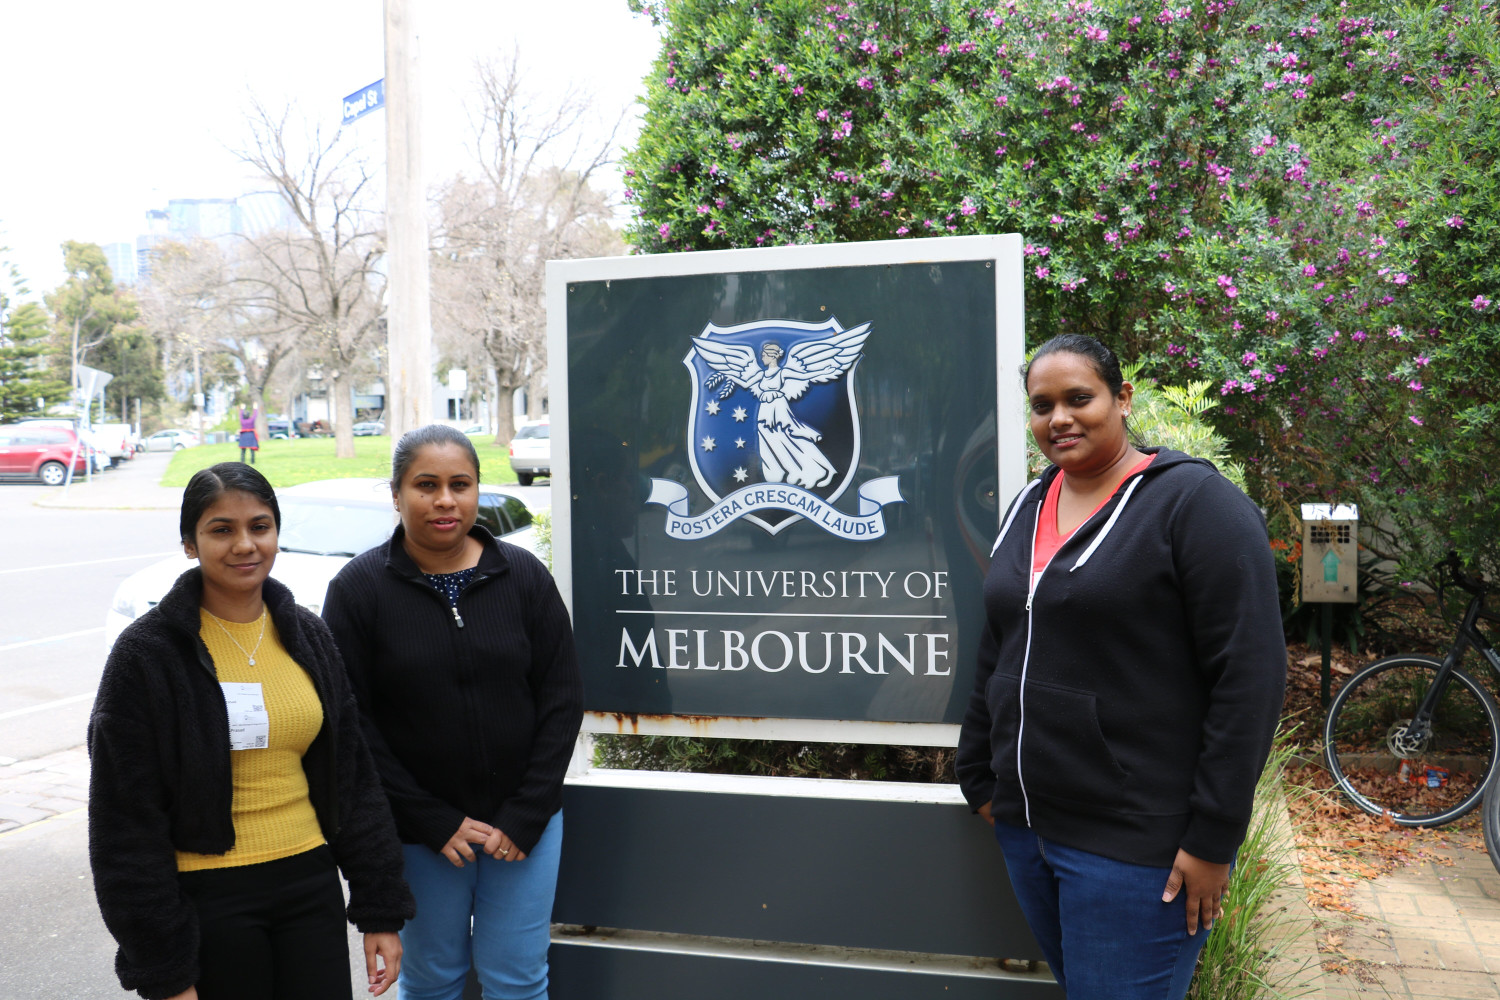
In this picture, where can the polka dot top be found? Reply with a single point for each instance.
(450, 585)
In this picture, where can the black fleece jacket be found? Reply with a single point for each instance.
(160, 782)
(1126, 707)
(472, 714)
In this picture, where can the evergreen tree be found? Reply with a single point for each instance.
(24, 378)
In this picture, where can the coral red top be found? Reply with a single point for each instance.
(1048, 538)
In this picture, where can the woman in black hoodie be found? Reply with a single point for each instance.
(1131, 673)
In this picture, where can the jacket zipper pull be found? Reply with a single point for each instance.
(1029, 596)
(457, 617)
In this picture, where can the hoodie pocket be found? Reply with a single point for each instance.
(1063, 751)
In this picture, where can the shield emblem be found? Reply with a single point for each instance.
(773, 402)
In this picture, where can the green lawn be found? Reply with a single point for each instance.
(287, 463)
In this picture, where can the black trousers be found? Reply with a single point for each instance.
(272, 931)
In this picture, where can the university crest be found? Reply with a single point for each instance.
(773, 432)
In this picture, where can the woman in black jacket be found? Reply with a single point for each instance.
(461, 655)
(1131, 673)
(230, 783)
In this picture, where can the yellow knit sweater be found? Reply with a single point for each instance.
(273, 817)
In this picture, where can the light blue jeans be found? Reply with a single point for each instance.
(1101, 923)
(496, 915)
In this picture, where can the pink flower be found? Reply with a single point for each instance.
(822, 115)
(1414, 385)
(864, 83)
(1056, 220)
(1456, 221)
(1402, 278)
(1309, 270)
(1042, 272)
(1418, 422)
(1077, 126)
(1248, 358)
(797, 90)
(1111, 237)
(664, 230)
(1481, 303)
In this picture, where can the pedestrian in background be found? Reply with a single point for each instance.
(460, 652)
(248, 440)
(230, 783)
(1131, 673)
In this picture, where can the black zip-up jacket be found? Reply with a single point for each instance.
(1127, 705)
(468, 714)
(161, 782)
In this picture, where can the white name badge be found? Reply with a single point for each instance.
(249, 722)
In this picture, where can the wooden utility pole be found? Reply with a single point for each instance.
(408, 383)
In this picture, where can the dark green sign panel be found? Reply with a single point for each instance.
(783, 488)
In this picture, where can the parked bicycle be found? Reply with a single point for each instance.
(1414, 737)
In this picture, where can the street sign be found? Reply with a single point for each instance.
(363, 101)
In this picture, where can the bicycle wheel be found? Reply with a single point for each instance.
(1491, 813)
(1383, 770)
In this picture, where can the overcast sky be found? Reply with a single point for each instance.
(111, 108)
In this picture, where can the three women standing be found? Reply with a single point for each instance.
(1131, 673)
(230, 783)
(460, 652)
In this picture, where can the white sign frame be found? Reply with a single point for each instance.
(1004, 251)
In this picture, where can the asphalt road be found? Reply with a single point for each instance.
(58, 571)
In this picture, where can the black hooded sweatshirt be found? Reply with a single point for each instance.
(1126, 706)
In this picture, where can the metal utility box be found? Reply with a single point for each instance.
(1330, 553)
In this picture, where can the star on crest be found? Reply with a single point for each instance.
(708, 444)
(713, 407)
(740, 475)
(739, 442)
(739, 414)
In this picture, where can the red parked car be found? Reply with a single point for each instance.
(29, 451)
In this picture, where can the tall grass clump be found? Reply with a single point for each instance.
(1250, 954)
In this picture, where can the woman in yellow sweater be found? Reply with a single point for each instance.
(230, 783)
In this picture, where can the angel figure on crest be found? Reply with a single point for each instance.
(789, 451)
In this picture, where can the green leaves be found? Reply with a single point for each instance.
(1298, 202)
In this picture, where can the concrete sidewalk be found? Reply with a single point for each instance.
(131, 485)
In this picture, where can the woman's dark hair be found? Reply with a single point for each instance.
(1099, 357)
(412, 442)
(207, 485)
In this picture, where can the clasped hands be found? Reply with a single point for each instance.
(491, 839)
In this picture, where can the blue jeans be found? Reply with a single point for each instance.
(495, 914)
(1101, 923)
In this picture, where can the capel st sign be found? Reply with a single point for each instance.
(771, 513)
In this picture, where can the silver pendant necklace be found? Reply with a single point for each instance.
(250, 654)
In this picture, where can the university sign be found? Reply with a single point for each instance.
(778, 475)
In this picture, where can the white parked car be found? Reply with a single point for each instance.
(531, 451)
(171, 439)
(324, 524)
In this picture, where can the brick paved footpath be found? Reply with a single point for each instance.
(38, 789)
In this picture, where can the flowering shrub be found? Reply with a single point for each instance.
(1296, 201)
